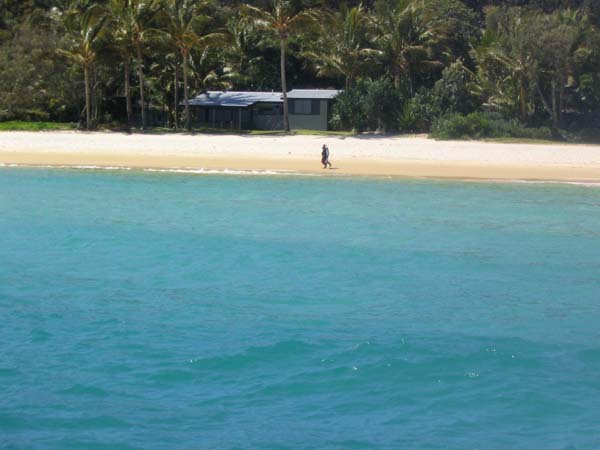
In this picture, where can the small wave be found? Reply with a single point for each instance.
(196, 171)
(61, 166)
(202, 171)
(582, 183)
(79, 389)
(594, 184)
(275, 352)
(96, 167)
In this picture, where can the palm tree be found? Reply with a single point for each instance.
(503, 72)
(343, 48)
(185, 24)
(559, 41)
(164, 76)
(84, 22)
(405, 40)
(281, 19)
(238, 55)
(122, 41)
(135, 19)
(524, 52)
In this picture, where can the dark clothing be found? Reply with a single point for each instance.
(325, 156)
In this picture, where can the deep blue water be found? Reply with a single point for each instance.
(164, 311)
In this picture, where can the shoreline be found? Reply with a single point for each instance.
(403, 157)
(450, 172)
(286, 173)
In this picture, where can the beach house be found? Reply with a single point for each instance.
(245, 110)
(310, 109)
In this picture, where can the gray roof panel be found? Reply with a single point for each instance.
(235, 98)
(317, 94)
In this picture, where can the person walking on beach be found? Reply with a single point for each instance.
(325, 157)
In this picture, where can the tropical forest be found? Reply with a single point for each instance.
(451, 68)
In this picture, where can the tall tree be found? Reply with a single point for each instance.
(164, 83)
(239, 55)
(138, 16)
(505, 61)
(282, 19)
(527, 54)
(556, 41)
(188, 25)
(122, 40)
(84, 21)
(405, 40)
(344, 46)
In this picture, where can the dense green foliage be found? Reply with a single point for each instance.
(34, 126)
(458, 68)
(368, 105)
(483, 125)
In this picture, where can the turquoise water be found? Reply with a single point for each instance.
(163, 311)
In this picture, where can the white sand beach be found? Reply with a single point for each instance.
(406, 156)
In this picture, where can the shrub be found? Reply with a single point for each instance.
(591, 135)
(348, 110)
(453, 126)
(584, 135)
(483, 125)
(368, 105)
(419, 113)
(383, 104)
(34, 126)
(27, 115)
(450, 94)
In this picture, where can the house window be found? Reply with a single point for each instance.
(306, 107)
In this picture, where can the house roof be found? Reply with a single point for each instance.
(235, 98)
(321, 94)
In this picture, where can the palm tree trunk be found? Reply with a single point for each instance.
(186, 100)
(176, 95)
(141, 77)
(411, 82)
(397, 77)
(543, 99)
(88, 100)
(522, 100)
(349, 80)
(561, 99)
(550, 108)
(286, 117)
(554, 105)
(128, 88)
(94, 93)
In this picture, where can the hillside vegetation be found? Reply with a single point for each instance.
(472, 68)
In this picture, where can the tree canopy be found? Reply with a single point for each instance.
(404, 63)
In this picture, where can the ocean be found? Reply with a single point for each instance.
(181, 311)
